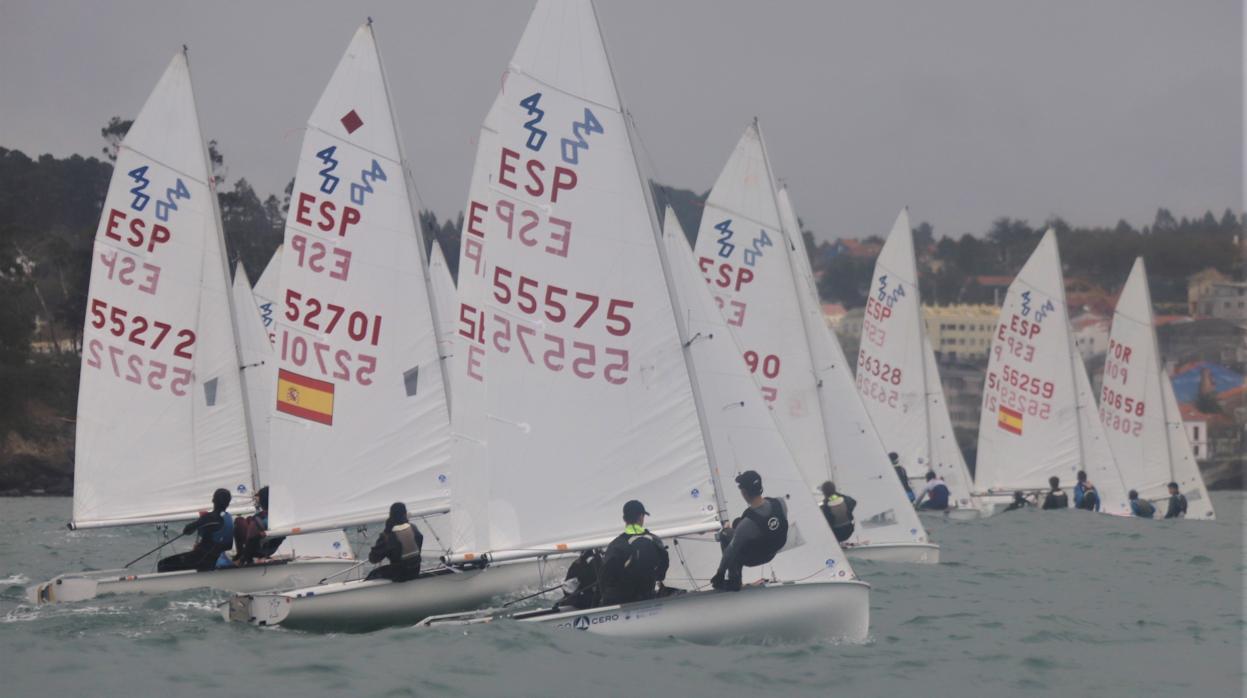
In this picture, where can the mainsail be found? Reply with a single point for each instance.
(446, 298)
(758, 271)
(1037, 419)
(896, 370)
(361, 413)
(570, 375)
(161, 420)
(1138, 408)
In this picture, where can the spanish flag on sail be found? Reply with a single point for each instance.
(1010, 420)
(304, 397)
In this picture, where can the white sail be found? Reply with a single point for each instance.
(259, 365)
(757, 269)
(1097, 460)
(896, 371)
(569, 370)
(1138, 409)
(361, 416)
(447, 300)
(160, 407)
(742, 432)
(266, 291)
(1037, 401)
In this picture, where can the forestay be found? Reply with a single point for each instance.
(161, 420)
(896, 371)
(572, 393)
(743, 434)
(266, 291)
(1036, 420)
(762, 282)
(361, 414)
(1138, 408)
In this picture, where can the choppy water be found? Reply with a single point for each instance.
(1070, 604)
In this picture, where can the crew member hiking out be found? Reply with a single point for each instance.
(215, 531)
(1177, 503)
(1085, 495)
(249, 538)
(635, 562)
(399, 543)
(1141, 507)
(838, 510)
(900, 473)
(1056, 497)
(755, 537)
(935, 493)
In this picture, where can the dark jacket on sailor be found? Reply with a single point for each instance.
(750, 544)
(838, 510)
(1142, 508)
(1177, 506)
(634, 562)
(1056, 499)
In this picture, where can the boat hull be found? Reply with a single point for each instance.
(957, 514)
(263, 577)
(361, 606)
(782, 612)
(923, 553)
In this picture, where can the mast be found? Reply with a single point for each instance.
(792, 273)
(681, 327)
(408, 183)
(229, 299)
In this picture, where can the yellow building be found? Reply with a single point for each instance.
(961, 331)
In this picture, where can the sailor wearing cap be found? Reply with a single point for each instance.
(635, 561)
(755, 537)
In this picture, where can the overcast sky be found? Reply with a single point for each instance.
(964, 110)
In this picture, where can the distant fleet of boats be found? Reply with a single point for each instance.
(587, 357)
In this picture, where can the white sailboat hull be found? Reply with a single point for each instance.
(263, 577)
(924, 553)
(787, 612)
(372, 604)
(956, 514)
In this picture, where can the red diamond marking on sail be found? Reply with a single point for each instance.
(352, 121)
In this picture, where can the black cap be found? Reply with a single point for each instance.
(894, 458)
(750, 481)
(633, 509)
(262, 495)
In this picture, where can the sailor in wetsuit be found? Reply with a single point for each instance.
(1056, 497)
(635, 562)
(1177, 503)
(1085, 495)
(1141, 507)
(900, 473)
(1019, 502)
(755, 537)
(249, 533)
(400, 543)
(935, 493)
(215, 531)
(838, 510)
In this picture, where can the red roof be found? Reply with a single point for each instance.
(989, 280)
(1162, 320)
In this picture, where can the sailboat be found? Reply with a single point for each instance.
(1139, 410)
(362, 406)
(442, 285)
(898, 377)
(582, 382)
(1039, 415)
(161, 406)
(756, 266)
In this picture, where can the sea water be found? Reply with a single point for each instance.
(1025, 603)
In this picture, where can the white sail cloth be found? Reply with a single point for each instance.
(571, 390)
(160, 406)
(446, 299)
(265, 291)
(259, 366)
(761, 278)
(1037, 419)
(361, 414)
(896, 371)
(1138, 408)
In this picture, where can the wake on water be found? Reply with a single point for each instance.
(1025, 603)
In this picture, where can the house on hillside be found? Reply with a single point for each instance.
(1211, 294)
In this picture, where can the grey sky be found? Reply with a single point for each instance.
(964, 110)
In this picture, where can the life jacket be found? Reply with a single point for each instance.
(1060, 500)
(224, 536)
(774, 530)
(839, 508)
(406, 536)
(1143, 508)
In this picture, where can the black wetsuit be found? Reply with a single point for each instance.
(586, 570)
(1056, 499)
(404, 564)
(633, 564)
(1177, 506)
(204, 555)
(746, 543)
(842, 529)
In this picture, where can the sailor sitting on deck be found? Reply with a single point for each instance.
(1056, 497)
(755, 537)
(900, 473)
(635, 561)
(1019, 502)
(838, 510)
(400, 543)
(215, 531)
(1085, 494)
(1141, 507)
(936, 494)
(249, 538)
(1177, 503)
